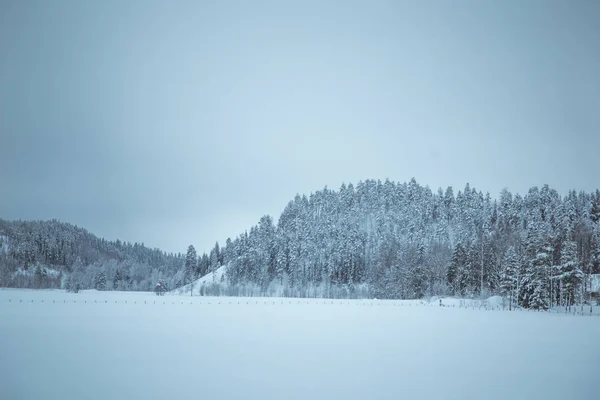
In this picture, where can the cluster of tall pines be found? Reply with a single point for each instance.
(376, 239)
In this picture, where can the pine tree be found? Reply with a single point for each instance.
(540, 282)
(456, 271)
(117, 279)
(190, 267)
(100, 281)
(214, 258)
(39, 277)
(595, 240)
(203, 265)
(509, 275)
(534, 287)
(571, 275)
(595, 212)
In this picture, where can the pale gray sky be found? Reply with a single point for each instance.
(181, 122)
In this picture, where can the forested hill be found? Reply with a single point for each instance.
(401, 240)
(53, 254)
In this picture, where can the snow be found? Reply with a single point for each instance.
(4, 244)
(31, 271)
(595, 286)
(208, 279)
(125, 345)
(492, 303)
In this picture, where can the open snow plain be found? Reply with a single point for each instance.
(111, 345)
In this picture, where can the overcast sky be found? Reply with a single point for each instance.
(175, 123)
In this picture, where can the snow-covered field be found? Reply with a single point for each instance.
(112, 345)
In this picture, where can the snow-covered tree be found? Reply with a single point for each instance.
(571, 275)
(100, 281)
(190, 267)
(510, 275)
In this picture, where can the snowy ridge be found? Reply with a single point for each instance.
(215, 277)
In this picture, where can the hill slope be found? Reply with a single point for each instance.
(51, 254)
(197, 288)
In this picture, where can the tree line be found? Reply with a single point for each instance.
(53, 254)
(377, 239)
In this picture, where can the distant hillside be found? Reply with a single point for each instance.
(51, 254)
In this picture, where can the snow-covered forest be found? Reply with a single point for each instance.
(405, 241)
(53, 254)
(378, 239)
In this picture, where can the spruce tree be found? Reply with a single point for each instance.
(571, 275)
(456, 271)
(509, 275)
(190, 267)
(100, 281)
